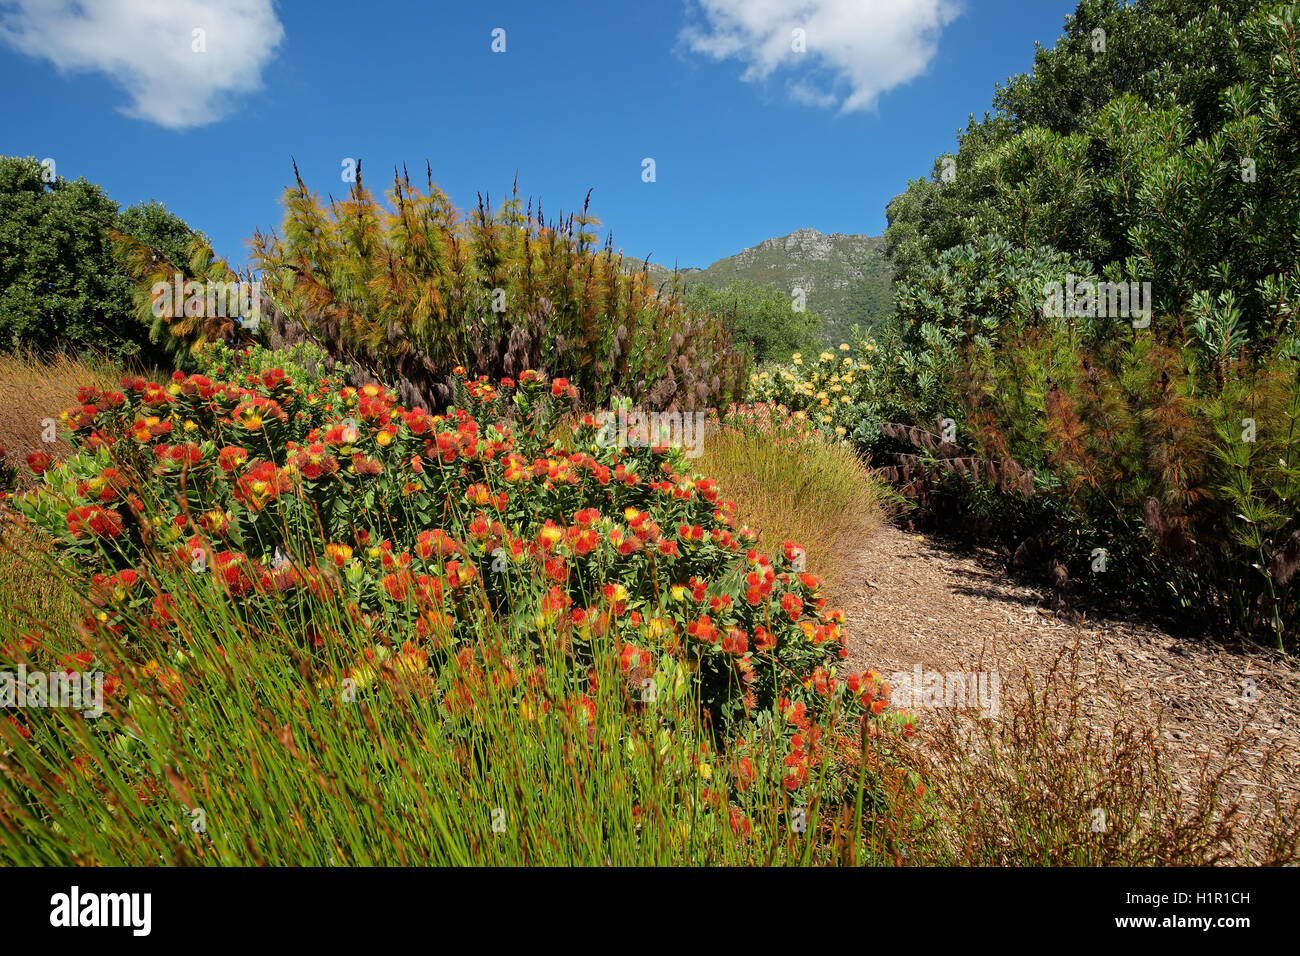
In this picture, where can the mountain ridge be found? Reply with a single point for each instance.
(845, 276)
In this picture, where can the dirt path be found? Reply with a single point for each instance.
(917, 600)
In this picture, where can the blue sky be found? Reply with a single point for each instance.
(750, 137)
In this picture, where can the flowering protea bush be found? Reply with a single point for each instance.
(839, 393)
(487, 567)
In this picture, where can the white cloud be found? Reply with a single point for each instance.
(148, 48)
(854, 49)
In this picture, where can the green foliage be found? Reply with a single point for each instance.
(1170, 157)
(759, 315)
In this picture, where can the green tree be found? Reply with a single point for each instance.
(763, 316)
(61, 284)
(1156, 140)
(166, 234)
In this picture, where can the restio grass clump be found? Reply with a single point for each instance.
(793, 483)
(337, 630)
(1051, 784)
(407, 291)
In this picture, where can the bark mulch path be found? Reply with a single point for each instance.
(910, 599)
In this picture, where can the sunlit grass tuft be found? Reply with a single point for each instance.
(789, 484)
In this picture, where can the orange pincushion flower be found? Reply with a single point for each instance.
(792, 606)
(633, 658)
(702, 629)
(435, 542)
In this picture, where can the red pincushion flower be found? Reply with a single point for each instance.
(231, 568)
(275, 378)
(94, 520)
(735, 641)
(795, 771)
(397, 585)
(231, 457)
(365, 465)
(584, 542)
(739, 822)
(164, 606)
(556, 570)
(555, 600)
(39, 462)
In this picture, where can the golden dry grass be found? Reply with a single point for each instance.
(819, 494)
(34, 389)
